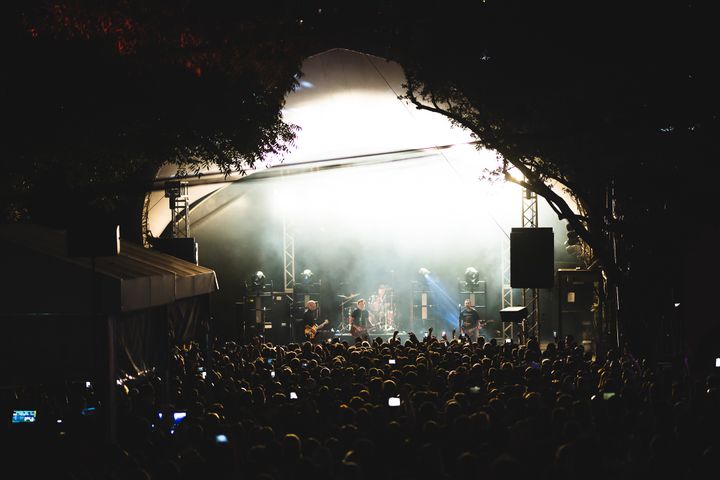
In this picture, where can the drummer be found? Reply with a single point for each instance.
(377, 300)
(380, 306)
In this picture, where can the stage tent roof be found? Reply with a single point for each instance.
(40, 278)
(347, 109)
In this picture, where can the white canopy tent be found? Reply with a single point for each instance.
(346, 106)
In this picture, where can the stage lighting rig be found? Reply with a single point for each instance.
(258, 283)
(308, 283)
(472, 277)
(306, 276)
(472, 284)
(423, 278)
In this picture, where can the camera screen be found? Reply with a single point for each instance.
(608, 395)
(24, 416)
(177, 418)
(391, 361)
(293, 396)
(507, 340)
(394, 402)
(221, 438)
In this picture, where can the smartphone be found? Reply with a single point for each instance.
(554, 334)
(88, 385)
(269, 361)
(508, 340)
(177, 418)
(203, 375)
(272, 373)
(391, 361)
(717, 362)
(304, 364)
(475, 389)
(608, 395)
(24, 416)
(394, 402)
(87, 411)
(293, 396)
(444, 333)
(221, 438)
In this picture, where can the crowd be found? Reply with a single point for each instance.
(431, 408)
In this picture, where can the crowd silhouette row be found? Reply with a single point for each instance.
(431, 408)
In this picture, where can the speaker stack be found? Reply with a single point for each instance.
(532, 258)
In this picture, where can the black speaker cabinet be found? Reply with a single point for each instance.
(577, 289)
(532, 258)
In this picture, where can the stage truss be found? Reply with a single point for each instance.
(531, 296)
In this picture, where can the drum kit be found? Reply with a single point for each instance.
(380, 306)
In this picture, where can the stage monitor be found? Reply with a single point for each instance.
(513, 314)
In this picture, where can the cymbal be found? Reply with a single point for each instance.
(352, 295)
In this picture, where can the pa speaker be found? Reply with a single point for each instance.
(577, 289)
(532, 258)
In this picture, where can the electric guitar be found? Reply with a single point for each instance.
(311, 331)
(473, 330)
(358, 331)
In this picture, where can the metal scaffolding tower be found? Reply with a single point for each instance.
(288, 257)
(507, 291)
(144, 222)
(177, 194)
(531, 296)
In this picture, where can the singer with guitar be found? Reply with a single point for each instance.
(309, 318)
(360, 320)
(469, 322)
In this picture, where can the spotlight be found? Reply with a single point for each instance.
(472, 276)
(258, 279)
(424, 272)
(306, 275)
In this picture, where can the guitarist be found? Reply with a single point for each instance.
(309, 320)
(359, 321)
(469, 321)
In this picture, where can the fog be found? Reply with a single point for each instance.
(366, 222)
